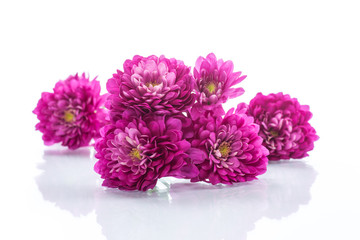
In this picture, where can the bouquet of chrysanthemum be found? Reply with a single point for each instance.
(162, 120)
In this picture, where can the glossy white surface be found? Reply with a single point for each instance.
(175, 209)
(309, 49)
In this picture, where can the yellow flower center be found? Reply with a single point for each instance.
(69, 116)
(274, 133)
(211, 87)
(225, 149)
(135, 154)
(153, 84)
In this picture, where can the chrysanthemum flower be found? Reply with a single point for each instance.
(133, 155)
(227, 150)
(73, 113)
(150, 84)
(284, 125)
(214, 81)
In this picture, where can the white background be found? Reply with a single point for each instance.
(309, 49)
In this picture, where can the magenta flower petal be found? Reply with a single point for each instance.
(197, 155)
(189, 171)
(73, 113)
(241, 108)
(284, 125)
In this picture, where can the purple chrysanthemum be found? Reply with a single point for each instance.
(150, 84)
(73, 113)
(214, 81)
(227, 150)
(284, 125)
(134, 154)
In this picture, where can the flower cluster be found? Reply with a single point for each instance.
(225, 149)
(73, 114)
(167, 122)
(148, 137)
(163, 120)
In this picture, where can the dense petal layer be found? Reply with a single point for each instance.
(150, 85)
(227, 150)
(73, 113)
(284, 125)
(134, 154)
(214, 81)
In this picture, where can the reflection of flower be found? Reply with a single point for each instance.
(284, 125)
(288, 187)
(214, 82)
(184, 210)
(67, 180)
(73, 113)
(227, 150)
(150, 84)
(199, 211)
(135, 154)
